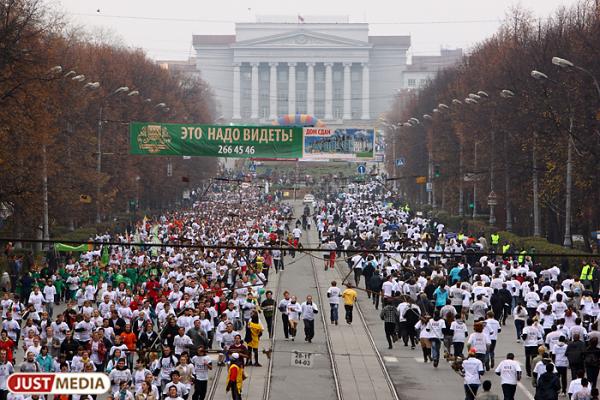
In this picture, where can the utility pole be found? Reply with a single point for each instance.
(569, 185)
(99, 165)
(492, 219)
(476, 178)
(536, 193)
(461, 194)
(507, 187)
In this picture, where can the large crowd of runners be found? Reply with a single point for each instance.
(147, 315)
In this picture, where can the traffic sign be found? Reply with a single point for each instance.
(492, 199)
(429, 187)
(361, 169)
(420, 180)
(252, 167)
(400, 162)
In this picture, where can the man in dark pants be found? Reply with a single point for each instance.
(283, 305)
(389, 315)
(374, 286)
(268, 309)
(309, 309)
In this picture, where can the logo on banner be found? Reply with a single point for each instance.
(154, 138)
(58, 383)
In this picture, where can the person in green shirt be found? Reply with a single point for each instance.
(59, 285)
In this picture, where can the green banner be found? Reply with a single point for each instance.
(215, 140)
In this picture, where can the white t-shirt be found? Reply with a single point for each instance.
(387, 288)
(201, 364)
(473, 369)
(334, 295)
(508, 370)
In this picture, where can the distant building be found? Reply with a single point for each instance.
(425, 68)
(319, 65)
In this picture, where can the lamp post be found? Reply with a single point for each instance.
(122, 89)
(507, 94)
(561, 62)
(567, 241)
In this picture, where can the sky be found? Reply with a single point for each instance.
(164, 29)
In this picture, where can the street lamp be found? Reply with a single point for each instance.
(469, 100)
(474, 96)
(456, 102)
(567, 242)
(122, 89)
(79, 78)
(160, 105)
(55, 70)
(443, 106)
(507, 94)
(561, 62)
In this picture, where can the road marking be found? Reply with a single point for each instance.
(525, 390)
(390, 359)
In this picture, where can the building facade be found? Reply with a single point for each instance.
(328, 68)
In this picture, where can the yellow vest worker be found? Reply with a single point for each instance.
(505, 248)
(495, 239)
(522, 255)
(586, 273)
(461, 237)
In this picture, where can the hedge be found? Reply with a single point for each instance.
(540, 245)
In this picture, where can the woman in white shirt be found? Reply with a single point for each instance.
(425, 335)
(294, 310)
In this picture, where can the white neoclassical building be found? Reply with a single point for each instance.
(323, 66)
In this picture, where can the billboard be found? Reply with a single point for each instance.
(347, 144)
(148, 138)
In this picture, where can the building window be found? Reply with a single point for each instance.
(412, 82)
(246, 75)
(356, 76)
(246, 93)
(338, 93)
(355, 112)
(338, 112)
(264, 112)
(264, 74)
(282, 75)
(319, 75)
(422, 82)
(246, 112)
(337, 75)
(301, 75)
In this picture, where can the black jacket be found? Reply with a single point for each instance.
(547, 387)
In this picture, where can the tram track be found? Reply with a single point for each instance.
(330, 354)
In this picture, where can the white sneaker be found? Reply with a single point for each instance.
(518, 340)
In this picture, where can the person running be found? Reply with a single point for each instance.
(202, 364)
(309, 310)
(510, 373)
(472, 370)
(349, 295)
(294, 310)
(389, 316)
(283, 309)
(334, 294)
(268, 308)
(256, 330)
(235, 378)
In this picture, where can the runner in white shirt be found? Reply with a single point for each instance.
(510, 372)
(333, 294)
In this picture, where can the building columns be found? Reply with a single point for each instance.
(365, 91)
(310, 88)
(292, 88)
(328, 91)
(236, 91)
(347, 92)
(254, 85)
(273, 90)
